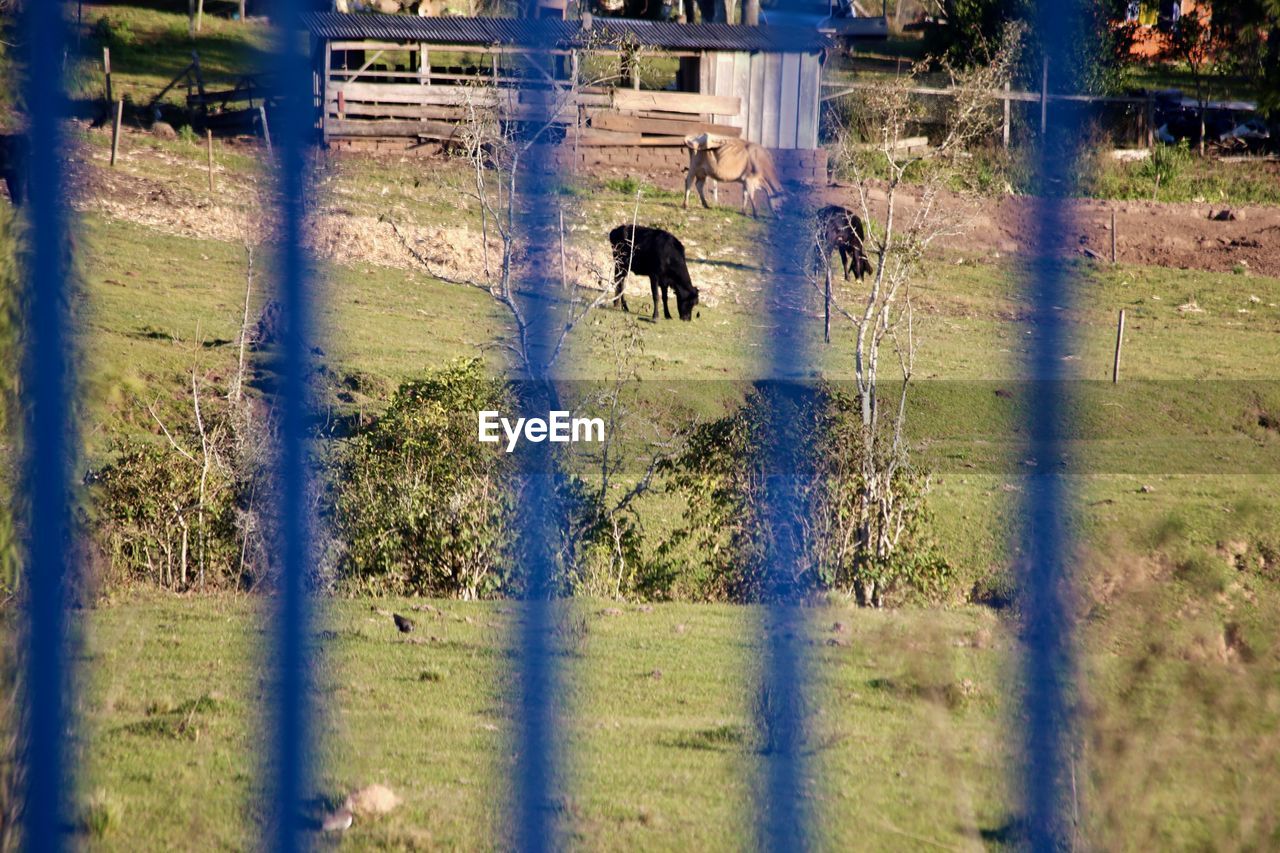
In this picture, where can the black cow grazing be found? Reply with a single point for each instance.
(839, 228)
(660, 256)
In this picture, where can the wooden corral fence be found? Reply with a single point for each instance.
(380, 76)
(1141, 107)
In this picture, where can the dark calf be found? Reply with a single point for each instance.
(660, 256)
(839, 228)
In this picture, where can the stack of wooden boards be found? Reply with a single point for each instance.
(593, 118)
(657, 118)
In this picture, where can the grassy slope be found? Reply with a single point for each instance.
(663, 760)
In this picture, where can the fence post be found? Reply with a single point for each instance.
(1044, 95)
(208, 135)
(1115, 367)
(1151, 121)
(115, 130)
(1006, 115)
(106, 72)
(266, 131)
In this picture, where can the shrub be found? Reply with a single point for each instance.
(421, 507)
(1165, 164)
(114, 34)
(152, 524)
(723, 542)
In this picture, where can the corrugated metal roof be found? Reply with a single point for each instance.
(524, 31)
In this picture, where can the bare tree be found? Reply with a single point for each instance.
(495, 147)
(899, 235)
(1198, 43)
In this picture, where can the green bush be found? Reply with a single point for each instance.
(152, 524)
(719, 552)
(1165, 165)
(421, 507)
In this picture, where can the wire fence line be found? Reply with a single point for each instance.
(782, 801)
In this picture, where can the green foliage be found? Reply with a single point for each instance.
(153, 525)
(421, 507)
(724, 540)
(1099, 58)
(115, 34)
(1166, 164)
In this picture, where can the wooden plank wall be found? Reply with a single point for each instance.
(773, 98)
(781, 95)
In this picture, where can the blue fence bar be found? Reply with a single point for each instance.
(782, 811)
(538, 300)
(48, 437)
(292, 754)
(1045, 535)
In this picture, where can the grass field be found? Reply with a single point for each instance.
(659, 746)
(914, 732)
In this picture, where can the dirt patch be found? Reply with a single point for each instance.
(1149, 233)
(1178, 236)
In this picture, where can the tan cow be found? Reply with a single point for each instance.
(731, 160)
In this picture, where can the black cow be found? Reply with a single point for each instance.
(13, 166)
(839, 228)
(660, 256)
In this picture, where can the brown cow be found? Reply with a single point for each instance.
(734, 161)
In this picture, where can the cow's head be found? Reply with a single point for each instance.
(703, 142)
(685, 303)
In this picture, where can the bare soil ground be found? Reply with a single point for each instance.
(1180, 236)
(1177, 236)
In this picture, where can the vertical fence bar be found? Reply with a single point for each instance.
(1045, 536)
(782, 809)
(536, 298)
(49, 439)
(290, 718)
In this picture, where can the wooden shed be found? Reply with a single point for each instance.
(380, 76)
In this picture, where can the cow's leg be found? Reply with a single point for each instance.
(688, 183)
(749, 194)
(715, 193)
(844, 262)
(653, 286)
(702, 191)
(619, 277)
(666, 309)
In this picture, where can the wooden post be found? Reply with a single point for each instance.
(199, 14)
(115, 131)
(266, 131)
(208, 135)
(106, 72)
(1151, 121)
(1113, 237)
(1006, 115)
(1044, 96)
(1115, 368)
